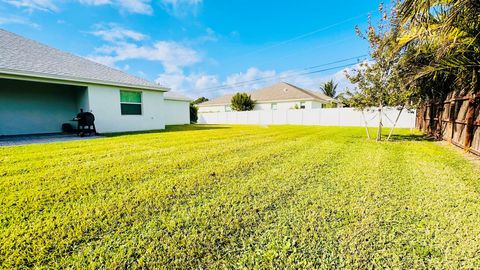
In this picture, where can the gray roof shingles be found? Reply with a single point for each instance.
(277, 92)
(22, 56)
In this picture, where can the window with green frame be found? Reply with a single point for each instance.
(131, 102)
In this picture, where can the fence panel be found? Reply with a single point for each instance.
(455, 119)
(319, 117)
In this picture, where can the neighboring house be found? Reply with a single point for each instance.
(280, 96)
(41, 88)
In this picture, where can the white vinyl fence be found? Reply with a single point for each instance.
(313, 117)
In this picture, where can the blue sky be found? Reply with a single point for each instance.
(201, 47)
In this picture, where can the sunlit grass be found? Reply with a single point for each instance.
(239, 197)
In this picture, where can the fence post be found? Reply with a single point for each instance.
(452, 118)
(469, 122)
(433, 113)
(438, 115)
(440, 119)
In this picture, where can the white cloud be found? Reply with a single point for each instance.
(178, 8)
(171, 55)
(209, 36)
(341, 78)
(5, 19)
(250, 79)
(124, 44)
(30, 5)
(130, 6)
(95, 2)
(313, 81)
(211, 86)
(202, 84)
(194, 84)
(113, 33)
(135, 6)
(181, 8)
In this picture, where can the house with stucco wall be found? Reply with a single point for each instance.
(41, 88)
(279, 96)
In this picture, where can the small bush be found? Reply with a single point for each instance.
(242, 102)
(193, 113)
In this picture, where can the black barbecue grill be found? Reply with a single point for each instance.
(86, 123)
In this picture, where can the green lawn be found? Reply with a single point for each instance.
(239, 197)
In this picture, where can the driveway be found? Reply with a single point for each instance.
(47, 138)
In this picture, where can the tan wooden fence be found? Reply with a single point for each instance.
(456, 119)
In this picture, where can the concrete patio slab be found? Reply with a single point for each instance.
(44, 138)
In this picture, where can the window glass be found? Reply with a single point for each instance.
(302, 105)
(131, 103)
(130, 97)
(131, 109)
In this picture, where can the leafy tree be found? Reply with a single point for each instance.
(329, 88)
(242, 102)
(422, 51)
(344, 99)
(378, 83)
(200, 100)
(193, 113)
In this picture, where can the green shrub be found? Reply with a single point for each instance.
(242, 102)
(193, 113)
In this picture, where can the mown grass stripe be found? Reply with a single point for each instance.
(239, 197)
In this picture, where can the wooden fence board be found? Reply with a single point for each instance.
(455, 119)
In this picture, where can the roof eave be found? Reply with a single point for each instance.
(210, 105)
(269, 101)
(178, 99)
(285, 100)
(39, 77)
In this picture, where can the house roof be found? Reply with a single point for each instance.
(176, 96)
(24, 57)
(278, 92)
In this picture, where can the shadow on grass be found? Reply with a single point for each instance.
(411, 138)
(175, 128)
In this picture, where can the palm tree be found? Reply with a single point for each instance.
(441, 41)
(329, 88)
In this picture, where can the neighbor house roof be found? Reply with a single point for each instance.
(278, 92)
(23, 57)
(176, 96)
